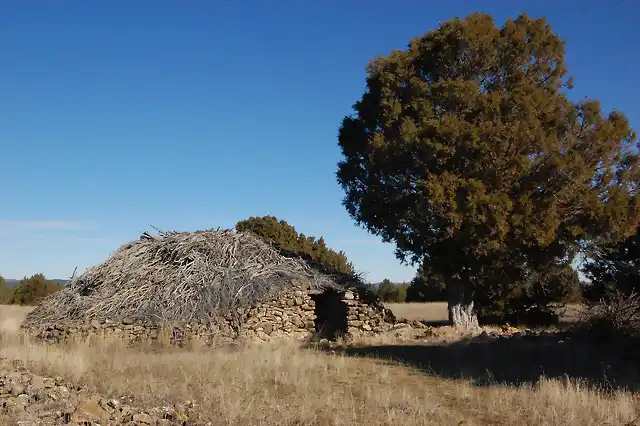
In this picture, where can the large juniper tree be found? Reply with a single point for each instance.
(465, 152)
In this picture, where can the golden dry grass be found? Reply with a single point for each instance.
(281, 384)
(428, 312)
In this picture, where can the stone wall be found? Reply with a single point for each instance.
(366, 318)
(291, 315)
(133, 334)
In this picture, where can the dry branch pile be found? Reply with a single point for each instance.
(617, 315)
(178, 277)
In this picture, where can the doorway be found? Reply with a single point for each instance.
(331, 314)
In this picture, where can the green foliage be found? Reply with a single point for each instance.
(533, 299)
(426, 287)
(31, 290)
(465, 153)
(5, 292)
(286, 239)
(387, 291)
(401, 293)
(390, 292)
(614, 268)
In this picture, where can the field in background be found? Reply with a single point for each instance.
(286, 385)
(436, 312)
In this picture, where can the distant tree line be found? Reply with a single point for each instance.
(389, 291)
(418, 290)
(29, 291)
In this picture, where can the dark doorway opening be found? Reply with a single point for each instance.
(331, 314)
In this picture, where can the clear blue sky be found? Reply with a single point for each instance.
(118, 114)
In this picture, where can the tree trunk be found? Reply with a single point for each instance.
(462, 314)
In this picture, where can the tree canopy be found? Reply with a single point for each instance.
(426, 286)
(391, 292)
(33, 289)
(467, 154)
(5, 292)
(286, 239)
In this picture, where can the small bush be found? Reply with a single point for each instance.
(615, 316)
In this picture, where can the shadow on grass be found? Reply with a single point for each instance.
(518, 360)
(434, 323)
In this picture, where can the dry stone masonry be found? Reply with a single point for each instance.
(291, 315)
(363, 318)
(252, 292)
(295, 314)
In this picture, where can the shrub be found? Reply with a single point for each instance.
(6, 293)
(534, 299)
(615, 316)
(30, 291)
(286, 239)
(426, 286)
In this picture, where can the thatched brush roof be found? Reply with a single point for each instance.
(179, 277)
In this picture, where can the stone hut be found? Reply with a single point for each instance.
(210, 286)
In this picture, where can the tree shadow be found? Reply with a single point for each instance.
(518, 360)
(434, 323)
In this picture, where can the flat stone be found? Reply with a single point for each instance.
(90, 410)
(143, 418)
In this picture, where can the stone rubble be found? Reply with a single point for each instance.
(27, 399)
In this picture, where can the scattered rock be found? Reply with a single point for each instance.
(90, 411)
(32, 400)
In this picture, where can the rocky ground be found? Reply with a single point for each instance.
(27, 399)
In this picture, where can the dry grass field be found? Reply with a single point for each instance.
(436, 312)
(280, 384)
